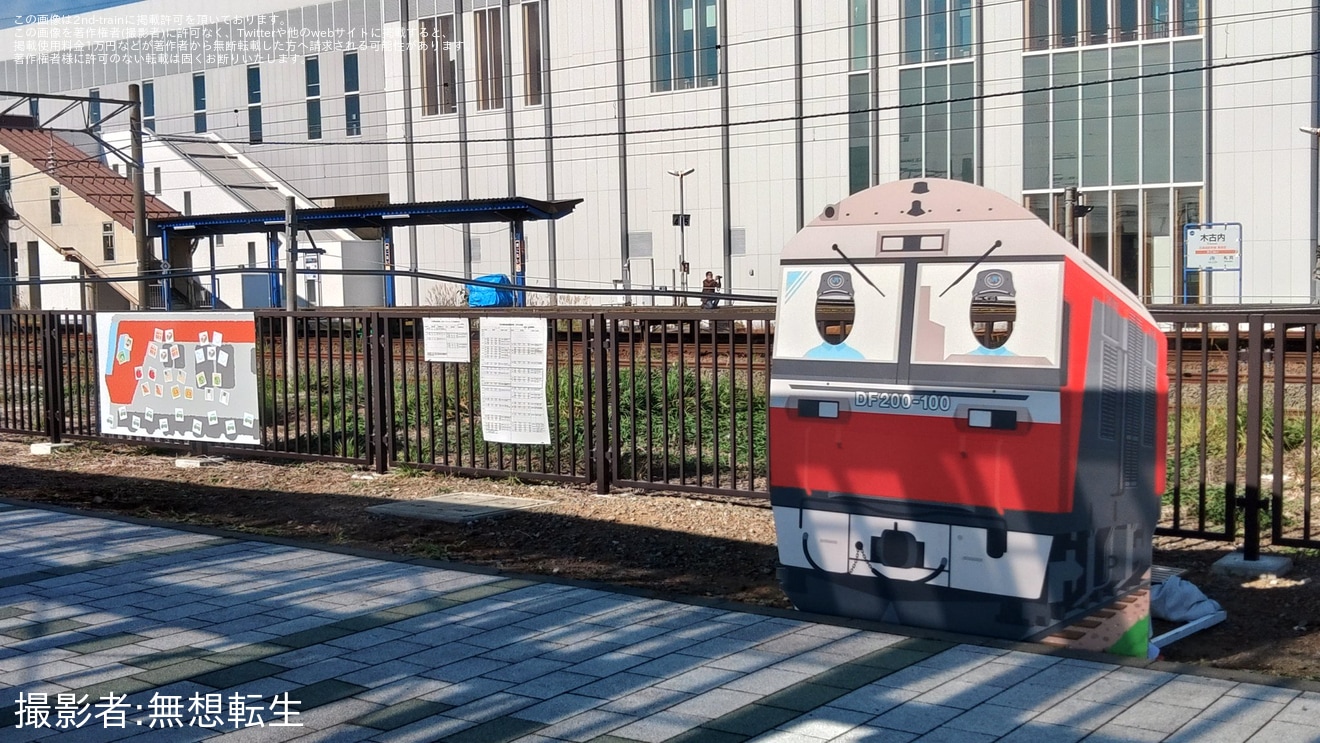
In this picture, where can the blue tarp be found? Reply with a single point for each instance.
(485, 296)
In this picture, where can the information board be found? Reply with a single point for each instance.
(447, 340)
(513, 400)
(179, 376)
(1213, 247)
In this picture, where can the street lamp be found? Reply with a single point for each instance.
(681, 221)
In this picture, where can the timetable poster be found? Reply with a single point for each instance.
(179, 376)
(513, 401)
(447, 340)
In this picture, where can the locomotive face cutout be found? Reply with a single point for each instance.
(993, 308)
(987, 471)
(835, 309)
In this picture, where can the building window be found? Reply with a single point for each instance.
(490, 60)
(1068, 23)
(684, 44)
(312, 69)
(155, 181)
(439, 71)
(937, 122)
(936, 30)
(534, 54)
(858, 35)
(187, 203)
(108, 241)
(252, 254)
(1081, 129)
(859, 132)
(94, 109)
(199, 103)
(56, 214)
(34, 110)
(352, 102)
(254, 103)
(4, 175)
(149, 105)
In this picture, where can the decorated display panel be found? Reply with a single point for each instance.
(998, 471)
(179, 376)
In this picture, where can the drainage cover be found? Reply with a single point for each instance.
(457, 507)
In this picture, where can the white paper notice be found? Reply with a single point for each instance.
(447, 339)
(513, 405)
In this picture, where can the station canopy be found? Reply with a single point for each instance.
(507, 210)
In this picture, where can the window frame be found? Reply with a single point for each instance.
(199, 102)
(439, 65)
(534, 59)
(312, 86)
(108, 242)
(689, 58)
(255, 134)
(352, 95)
(56, 209)
(490, 58)
(149, 104)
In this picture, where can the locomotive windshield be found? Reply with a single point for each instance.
(1010, 314)
(840, 313)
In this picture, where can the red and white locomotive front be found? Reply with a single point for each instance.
(966, 418)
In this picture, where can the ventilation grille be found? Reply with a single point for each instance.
(737, 241)
(639, 245)
(474, 249)
(1110, 380)
(1133, 414)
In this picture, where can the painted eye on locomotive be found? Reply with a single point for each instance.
(835, 309)
(993, 308)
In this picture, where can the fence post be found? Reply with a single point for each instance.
(52, 364)
(1255, 395)
(600, 406)
(381, 406)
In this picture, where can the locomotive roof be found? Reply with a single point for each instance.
(958, 220)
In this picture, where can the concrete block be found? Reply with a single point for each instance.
(46, 447)
(1268, 566)
(192, 463)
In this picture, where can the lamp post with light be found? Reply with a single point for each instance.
(681, 221)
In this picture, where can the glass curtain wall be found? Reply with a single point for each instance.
(1114, 104)
(937, 88)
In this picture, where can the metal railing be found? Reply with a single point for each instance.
(676, 399)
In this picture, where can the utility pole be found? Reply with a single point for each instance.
(290, 286)
(1073, 210)
(139, 196)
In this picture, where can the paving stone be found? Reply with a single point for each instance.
(1281, 731)
(238, 675)
(659, 726)
(990, 719)
(1038, 732)
(558, 709)
(42, 629)
(320, 671)
(397, 715)
(401, 688)
(177, 672)
(914, 717)
(495, 731)
(1155, 716)
(698, 680)
(586, 726)
(103, 643)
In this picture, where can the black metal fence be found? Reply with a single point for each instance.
(677, 400)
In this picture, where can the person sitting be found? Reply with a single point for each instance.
(710, 285)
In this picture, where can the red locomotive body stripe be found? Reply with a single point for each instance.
(917, 458)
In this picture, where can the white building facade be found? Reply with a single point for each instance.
(1162, 113)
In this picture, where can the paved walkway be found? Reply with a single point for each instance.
(112, 630)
